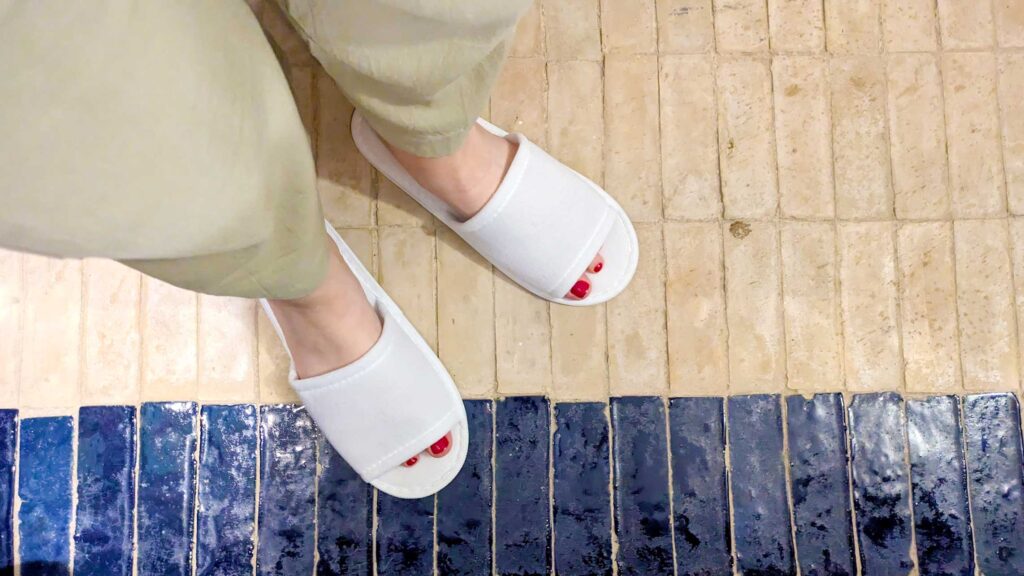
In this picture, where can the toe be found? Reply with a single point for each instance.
(441, 447)
(411, 462)
(596, 264)
(580, 289)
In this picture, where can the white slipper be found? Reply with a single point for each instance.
(542, 227)
(390, 404)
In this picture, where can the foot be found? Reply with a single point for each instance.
(466, 180)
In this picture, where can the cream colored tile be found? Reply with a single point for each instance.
(1009, 18)
(572, 29)
(985, 303)
(695, 299)
(111, 339)
(407, 273)
(51, 336)
(910, 25)
(576, 123)
(629, 27)
(746, 138)
(928, 307)
(689, 138)
(853, 26)
(797, 25)
(170, 368)
(303, 86)
(1017, 253)
(870, 306)
(1011, 86)
(965, 23)
(343, 175)
(632, 151)
(861, 148)
(272, 365)
(361, 242)
(523, 339)
(12, 298)
(579, 352)
(976, 176)
(396, 208)
(918, 131)
(518, 104)
(685, 26)
(741, 25)
(529, 38)
(637, 355)
(227, 349)
(803, 132)
(753, 296)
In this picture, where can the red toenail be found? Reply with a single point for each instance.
(580, 289)
(598, 266)
(412, 461)
(439, 446)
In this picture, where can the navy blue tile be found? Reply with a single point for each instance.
(700, 487)
(942, 517)
(583, 524)
(523, 527)
(764, 543)
(287, 491)
(227, 490)
(992, 423)
(8, 446)
(820, 483)
(167, 452)
(880, 487)
(104, 527)
(44, 486)
(344, 517)
(464, 506)
(640, 450)
(405, 536)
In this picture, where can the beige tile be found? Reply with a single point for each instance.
(918, 132)
(572, 29)
(529, 38)
(689, 138)
(284, 35)
(12, 297)
(685, 26)
(632, 154)
(753, 296)
(977, 182)
(169, 342)
(985, 303)
(343, 175)
(695, 299)
(227, 349)
(407, 273)
(111, 339)
(576, 116)
(741, 25)
(861, 148)
(303, 85)
(396, 208)
(797, 25)
(928, 307)
(579, 352)
(1009, 17)
(272, 365)
(803, 133)
(853, 26)
(519, 97)
(811, 306)
(522, 334)
(870, 306)
(51, 336)
(965, 23)
(361, 242)
(746, 138)
(629, 27)
(910, 25)
(1017, 253)
(637, 355)
(1011, 86)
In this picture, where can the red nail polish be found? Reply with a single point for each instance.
(412, 461)
(440, 446)
(598, 266)
(580, 289)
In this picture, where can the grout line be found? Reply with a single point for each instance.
(16, 507)
(73, 524)
(850, 492)
(788, 479)
(258, 481)
(671, 485)
(552, 429)
(728, 482)
(317, 472)
(612, 499)
(909, 485)
(198, 428)
(494, 491)
(960, 419)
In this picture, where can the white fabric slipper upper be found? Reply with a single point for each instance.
(390, 404)
(542, 227)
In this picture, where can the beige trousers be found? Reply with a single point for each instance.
(163, 134)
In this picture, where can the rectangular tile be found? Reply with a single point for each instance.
(44, 488)
(166, 493)
(880, 491)
(741, 25)
(685, 26)
(227, 349)
(8, 453)
(820, 484)
(405, 536)
(520, 85)
(641, 491)
(942, 518)
(170, 368)
(909, 25)
(797, 26)
(1011, 85)
(272, 364)
(344, 177)
(11, 310)
(344, 517)
(1009, 20)
(227, 490)
(529, 37)
(582, 516)
(853, 26)
(700, 487)
(522, 499)
(1017, 253)
(572, 29)
(965, 24)
(396, 208)
(105, 515)
(628, 27)
(111, 339)
(51, 337)
(408, 274)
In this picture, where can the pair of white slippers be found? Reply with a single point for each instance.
(541, 228)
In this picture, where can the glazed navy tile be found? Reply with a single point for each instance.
(344, 517)
(522, 504)
(992, 427)
(104, 520)
(464, 506)
(700, 485)
(640, 450)
(44, 487)
(227, 490)
(880, 488)
(405, 536)
(942, 518)
(287, 498)
(764, 541)
(582, 513)
(8, 447)
(820, 484)
(167, 447)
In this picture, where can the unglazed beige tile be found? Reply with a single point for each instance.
(1009, 17)
(111, 339)
(753, 296)
(685, 26)
(576, 116)
(272, 365)
(918, 132)
(965, 23)
(797, 25)
(853, 26)
(360, 241)
(572, 29)
(396, 208)
(632, 153)
(985, 302)
(976, 178)
(579, 352)
(741, 25)
(1017, 252)
(689, 138)
(407, 274)
(227, 349)
(522, 334)
(1011, 86)
(517, 104)
(51, 333)
(12, 298)
(861, 148)
(343, 175)
(637, 355)
(870, 306)
(910, 25)
(695, 298)
(746, 138)
(928, 307)
(803, 134)
(629, 27)
(169, 342)
(529, 38)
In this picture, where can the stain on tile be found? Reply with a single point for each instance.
(640, 451)
(405, 536)
(8, 446)
(104, 520)
(44, 487)
(344, 517)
